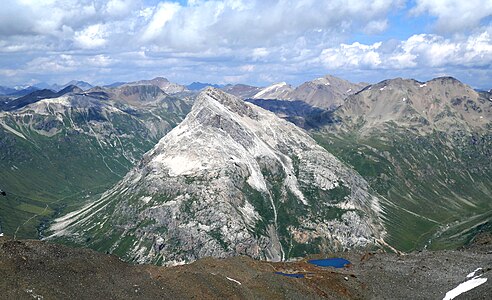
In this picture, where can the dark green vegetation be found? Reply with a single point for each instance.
(55, 156)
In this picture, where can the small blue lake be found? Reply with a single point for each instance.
(330, 262)
(290, 275)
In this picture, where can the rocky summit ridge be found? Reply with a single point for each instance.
(443, 104)
(231, 179)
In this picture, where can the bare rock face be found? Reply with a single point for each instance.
(231, 179)
(324, 92)
(443, 104)
(163, 84)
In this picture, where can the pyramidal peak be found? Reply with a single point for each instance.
(231, 179)
(211, 95)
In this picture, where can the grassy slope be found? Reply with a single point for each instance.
(434, 186)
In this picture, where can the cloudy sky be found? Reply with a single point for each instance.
(256, 42)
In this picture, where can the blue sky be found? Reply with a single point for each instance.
(256, 42)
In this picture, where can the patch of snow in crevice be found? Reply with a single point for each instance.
(473, 273)
(382, 89)
(233, 280)
(466, 286)
(423, 85)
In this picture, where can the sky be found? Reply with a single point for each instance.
(244, 41)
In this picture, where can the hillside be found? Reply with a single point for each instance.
(425, 148)
(57, 151)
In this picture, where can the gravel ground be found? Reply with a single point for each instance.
(39, 270)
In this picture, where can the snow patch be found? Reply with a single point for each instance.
(146, 199)
(382, 89)
(423, 85)
(473, 273)
(470, 283)
(233, 280)
(272, 88)
(464, 287)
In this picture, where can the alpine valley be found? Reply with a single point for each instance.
(154, 172)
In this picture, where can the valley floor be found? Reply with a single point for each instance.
(40, 270)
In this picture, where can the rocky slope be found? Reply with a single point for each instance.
(59, 148)
(231, 179)
(326, 92)
(442, 104)
(33, 269)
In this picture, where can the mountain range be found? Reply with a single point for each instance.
(400, 165)
(324, 92)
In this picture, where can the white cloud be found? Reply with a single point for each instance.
(418, 51)
(91, 37)
(162, 14)
(353, 55)
(229, 40)
(455, 15)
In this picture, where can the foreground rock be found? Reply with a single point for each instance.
(33, 269)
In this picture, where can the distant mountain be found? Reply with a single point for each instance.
(81, 84)
(231, 179)
(279, 91)
(23, 92)
(443, 104)
(43, 85)
(115, 84)
(5, 90)
(163, 84)
(37, 96)
(196, 86)
(133, 94)
(325, 92)
(241, 90)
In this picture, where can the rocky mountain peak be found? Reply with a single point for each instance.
(442, 103)
(71, 89)
(211, 96)
(231, 179)
(160, 80)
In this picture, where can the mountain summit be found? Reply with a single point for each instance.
(231, 179)
(325, 92)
